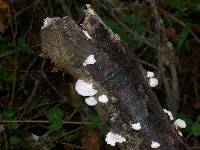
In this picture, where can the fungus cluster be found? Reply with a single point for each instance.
(86, 89)
(179, 123)
(112, 139)
(153, 82)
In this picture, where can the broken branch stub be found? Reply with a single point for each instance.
(114, 74)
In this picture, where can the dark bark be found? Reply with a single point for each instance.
(115, 74)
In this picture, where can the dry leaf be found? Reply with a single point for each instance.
(91, 141)
(4, 14)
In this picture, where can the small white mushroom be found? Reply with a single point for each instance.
(91, 101)
(136, 126)
(85, 89)
(153, 82)
(180, 123)
(103, 99)
(155, 145)
(112, 139)
(150, 74)
(89, 61)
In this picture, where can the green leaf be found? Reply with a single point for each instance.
(7, 114)
(179, 5)
(56, 125)
(13, 125)
(6, 76)
(5, 46)
(24, 46)
(50, 146)
(198, 118)
(14, 140)
(76, 103)
(94, 119)
(196, 129)
(133, 20)
(188, 120)
(184, 117)
(55, 113)
(183, 35)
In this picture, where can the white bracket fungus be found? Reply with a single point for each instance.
(169, 114)
(85, 89)
(90, 60)
(153, 82)
(91, 101)
(136, 126)
(155, 145)
(103, 99)
(150, 74)
(112, 139)
(180, 123)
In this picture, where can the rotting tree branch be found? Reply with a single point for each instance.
(131, 100)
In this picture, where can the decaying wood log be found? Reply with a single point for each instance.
(115, 74)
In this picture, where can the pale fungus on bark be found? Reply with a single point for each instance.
(89, 61)
(155, 145)
(103, 99)
(85, 89)
(112, 139)
(136, 126)
(91, 101)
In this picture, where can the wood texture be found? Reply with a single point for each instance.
(115, 74)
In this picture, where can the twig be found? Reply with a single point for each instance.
(43, 121)
(29, 67)
(147, 64)
(134, 35)
(165, 52)
(194, 148)
(74, 146)
(5, 54)
(52, 86)
(179, 21)
(72, 114)
(14, 32)
(6, 142)
(17, 14)
(27, 104)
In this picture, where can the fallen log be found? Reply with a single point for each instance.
(115, 74)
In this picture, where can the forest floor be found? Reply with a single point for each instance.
(36, 96)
